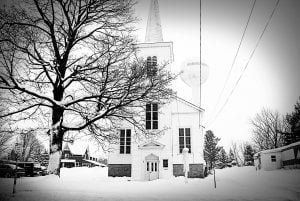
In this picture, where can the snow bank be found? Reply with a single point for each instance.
(93, 184)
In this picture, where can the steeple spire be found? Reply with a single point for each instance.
(153, 30)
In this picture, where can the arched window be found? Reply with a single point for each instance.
(151, 66)
(149, 61)
(154, 61)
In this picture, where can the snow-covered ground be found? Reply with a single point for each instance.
(93, 184)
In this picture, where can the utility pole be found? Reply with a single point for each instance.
(16, 168)
(215, 183)
(215, 178)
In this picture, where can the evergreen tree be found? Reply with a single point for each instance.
(211, 148)
(248, 155)
(223, 156)
(293, 120)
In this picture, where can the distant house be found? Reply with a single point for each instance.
(283, 157)
(72, 157)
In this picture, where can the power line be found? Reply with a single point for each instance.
(251, 56)
(200, 88)
(200, 48)
(236, 54)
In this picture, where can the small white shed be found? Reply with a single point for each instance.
(283, 157)
(268, 159)
(271, 159)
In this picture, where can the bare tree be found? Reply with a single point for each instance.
(29, 145)
(267, 128)
(237, 152)
(74, 61)
(6, 135)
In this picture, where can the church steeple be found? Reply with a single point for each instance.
(153, 30)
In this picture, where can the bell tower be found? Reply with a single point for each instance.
(153, 30)
(154, 46)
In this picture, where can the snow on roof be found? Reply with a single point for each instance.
(291, 145)
(95, 162)
(279, 149)
(76, 148)
(66, 147)
(79, 148)
(68, 160)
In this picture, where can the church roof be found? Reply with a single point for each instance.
(76, 148)
(151, 145)
(189, 104)
(66, 147)
(154, 30)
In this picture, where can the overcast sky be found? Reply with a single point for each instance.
(272, 78)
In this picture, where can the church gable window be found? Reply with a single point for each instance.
(151, 116)
(151, 65)
(184, 139)
(125, 141)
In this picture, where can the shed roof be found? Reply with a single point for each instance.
(279, 149)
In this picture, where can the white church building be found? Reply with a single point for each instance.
(162, 157)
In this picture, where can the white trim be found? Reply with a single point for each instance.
(94, 162)
(279, 149)
(189, 104)
(157, 145)
(151, 157)
(68, 160)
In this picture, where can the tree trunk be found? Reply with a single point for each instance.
(56, 134)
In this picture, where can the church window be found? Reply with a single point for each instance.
(152, 116)
(184, 139)
(125, 141)
(66, 155)
(151, 65)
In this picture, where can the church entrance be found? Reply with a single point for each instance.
(152, 167)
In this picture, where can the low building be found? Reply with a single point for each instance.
(78, 157)
(283, 157)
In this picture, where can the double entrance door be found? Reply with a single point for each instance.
(152, 169)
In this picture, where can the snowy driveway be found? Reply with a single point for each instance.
(93, 184)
